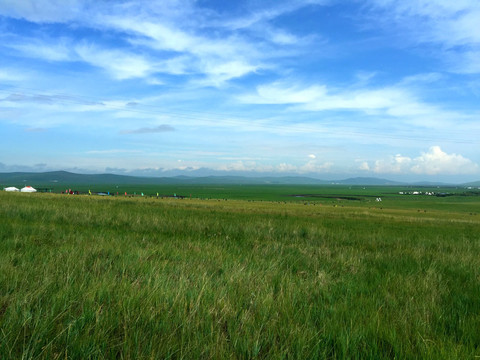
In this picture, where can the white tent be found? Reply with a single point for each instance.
(28, 189)
(11, 188)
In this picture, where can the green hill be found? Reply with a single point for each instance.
(67, 179)
(56, 178)
(473, 183)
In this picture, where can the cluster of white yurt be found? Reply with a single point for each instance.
(26, 189)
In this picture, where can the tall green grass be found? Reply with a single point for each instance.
(91, 277)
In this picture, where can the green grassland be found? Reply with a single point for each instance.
(331, 274)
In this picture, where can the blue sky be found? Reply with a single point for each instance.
(320, 88)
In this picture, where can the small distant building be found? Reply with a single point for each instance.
(28, 189)
(11, 188)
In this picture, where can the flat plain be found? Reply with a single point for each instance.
(297, 272)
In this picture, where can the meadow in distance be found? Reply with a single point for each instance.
(297, 272)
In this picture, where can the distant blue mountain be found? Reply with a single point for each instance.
(64, 177)
(368, 181)
(67, 178)
(473, 184)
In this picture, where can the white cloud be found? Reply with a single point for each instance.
(433, 162)
(461, 28)
(282, 37)
(263, 15)
(161, 36)
(120, 64)
(425, 78)
(283, 93)
(311, 166)
(395, 165)
(285, 168)
(11, 75)
(176, 35)
(320, 98)
(469, 63)
(172, 47)
(218, 58)
(397, 101)
(50, 50)
(364, 166)
(243, 166)
(451, 24)
(218, 72)
(43, 10)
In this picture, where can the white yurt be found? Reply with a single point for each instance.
(28, 189)
(11, 188)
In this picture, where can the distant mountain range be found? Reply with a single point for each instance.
(67, 178)
(473, 184)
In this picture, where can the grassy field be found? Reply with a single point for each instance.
(298, 278)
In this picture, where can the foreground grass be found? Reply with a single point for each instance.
(89, 277)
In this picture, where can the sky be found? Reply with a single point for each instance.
(322, 88)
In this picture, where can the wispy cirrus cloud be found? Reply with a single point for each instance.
(120, 64)
(47, 49)
(259, 21)
(44, 11)
(379, 114)
(219, 58)
(398, 100)
(269, 12)
(8, 75)
(321, 98)
(451, 24)
(179, 37)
